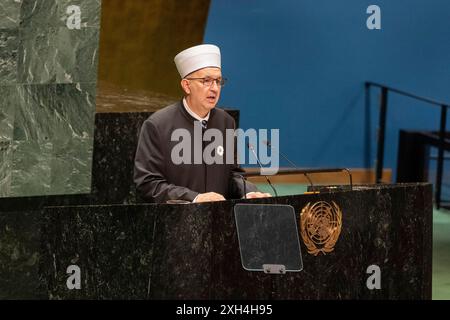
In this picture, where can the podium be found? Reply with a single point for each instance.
(191, 251)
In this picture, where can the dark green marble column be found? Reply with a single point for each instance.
(48, 74)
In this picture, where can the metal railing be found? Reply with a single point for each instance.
(382, 130)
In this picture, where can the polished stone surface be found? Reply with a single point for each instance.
(9, 46)
(115, 142)
(20, 253)
(55, 13)
(33, 113)
(90, 12)
(193, 250)
(50, 137)
(21, 221)
(77, 58)
(37, 55)
(389, 227)
(48, 73)
(36, 14)
(71, 161)
(114, 254)
(9, 14)
(58, 55)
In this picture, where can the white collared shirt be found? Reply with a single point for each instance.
(196, 117)
(192, 113)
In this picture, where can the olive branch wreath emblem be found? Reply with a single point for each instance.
(320, 226)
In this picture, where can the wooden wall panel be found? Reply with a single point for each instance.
(139, 39)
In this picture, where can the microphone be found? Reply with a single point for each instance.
(261, 167)
(291, 163)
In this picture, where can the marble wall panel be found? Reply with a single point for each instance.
(9, 43)
(73, 136)
(7, 110)
(112, 246)
(34, 113)
(30, 174)
(71, 166)
(58, 55)
(44, 13)
(77, 55)
(38, 14)
(74, 110)
(48, 75)
(37, 54)
(20, 253)
(52, 139)
(89, 9)
(9, 13)
(5, 167)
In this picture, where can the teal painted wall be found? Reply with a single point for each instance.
(301, 66)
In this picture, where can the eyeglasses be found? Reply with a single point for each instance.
(208, 82)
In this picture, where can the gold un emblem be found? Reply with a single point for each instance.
(320, 226)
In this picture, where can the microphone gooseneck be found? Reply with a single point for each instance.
(290, 162)
(261, 167)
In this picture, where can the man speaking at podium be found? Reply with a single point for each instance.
(158, 176)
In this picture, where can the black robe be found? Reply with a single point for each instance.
(158, 179)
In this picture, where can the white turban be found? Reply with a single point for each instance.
(196, 58)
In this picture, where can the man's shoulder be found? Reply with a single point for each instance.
(165, 114)
(221, 113)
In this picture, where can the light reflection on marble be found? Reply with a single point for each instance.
(114, 98)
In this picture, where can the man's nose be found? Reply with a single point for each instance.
(214, 86)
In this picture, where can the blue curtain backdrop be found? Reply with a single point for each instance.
(300, 65)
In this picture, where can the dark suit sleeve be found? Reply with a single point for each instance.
(149, 167)
(237, 184)
(237, 180)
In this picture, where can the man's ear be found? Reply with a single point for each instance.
(185, 86)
